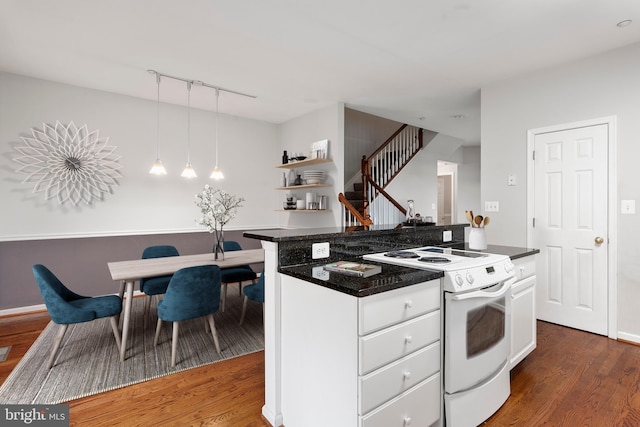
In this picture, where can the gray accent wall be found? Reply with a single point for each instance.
(81, 263)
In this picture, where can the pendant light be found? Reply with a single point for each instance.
(158, 167)
(217, 173)
(188, 171)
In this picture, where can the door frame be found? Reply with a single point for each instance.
(612, 211)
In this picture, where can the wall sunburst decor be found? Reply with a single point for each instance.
(68, 163)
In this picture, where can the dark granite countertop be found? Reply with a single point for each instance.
(391, 277)
(284, 235)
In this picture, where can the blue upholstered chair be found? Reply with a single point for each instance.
(254, 292)
(193, 292)
(66, 307)
(151, 286)
(237, 275)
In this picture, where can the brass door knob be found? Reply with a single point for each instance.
(599, 240)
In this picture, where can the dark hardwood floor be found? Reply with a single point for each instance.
(573, 378)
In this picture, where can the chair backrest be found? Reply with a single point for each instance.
(255, 292)
(159, 251)
(57, 296)
(230, 245)
(192, 292)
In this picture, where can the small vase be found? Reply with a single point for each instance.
(218, 248)
(477, 238)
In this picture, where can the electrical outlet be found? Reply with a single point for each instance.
(320, 250)
(491, 206)
(447, 236)
(320, 273)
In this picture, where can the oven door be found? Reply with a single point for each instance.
(477, 335)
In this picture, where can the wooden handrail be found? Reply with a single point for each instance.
(357, 215)
(388, 197)
(387, 142)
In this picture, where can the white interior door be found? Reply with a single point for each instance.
(570, 211)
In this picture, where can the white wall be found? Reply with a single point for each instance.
(297, 135)
(364, 133)
(141, 203)
(419, 179)
(601, 86)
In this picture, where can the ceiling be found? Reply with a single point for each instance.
(421, 62)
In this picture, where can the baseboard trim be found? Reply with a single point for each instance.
(629, 338)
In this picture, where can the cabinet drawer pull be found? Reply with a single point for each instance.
(407, 376)
(407, 421)
(408, 339)
(408, 304)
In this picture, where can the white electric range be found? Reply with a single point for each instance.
(464, 270)
(477, 327)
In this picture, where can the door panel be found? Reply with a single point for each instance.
(570, 212)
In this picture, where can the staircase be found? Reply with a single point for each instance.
(369, 200)
(356, 197)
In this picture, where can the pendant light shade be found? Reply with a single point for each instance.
(158, 167)
(188, 171)
(217, 173)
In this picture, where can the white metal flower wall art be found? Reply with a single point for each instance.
(68, 163)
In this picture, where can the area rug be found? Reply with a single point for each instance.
(88, 361)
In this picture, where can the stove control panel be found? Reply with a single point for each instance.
(478, 277)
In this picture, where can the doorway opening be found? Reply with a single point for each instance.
(447, 192)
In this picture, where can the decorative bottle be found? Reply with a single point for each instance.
(285, 158)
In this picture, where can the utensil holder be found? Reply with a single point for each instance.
(477, 238)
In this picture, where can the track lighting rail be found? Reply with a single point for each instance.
(198, 83)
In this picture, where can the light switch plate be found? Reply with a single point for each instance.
(627, 206)
(491, 206)
(320, 250)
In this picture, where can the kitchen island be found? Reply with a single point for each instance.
(291, 269)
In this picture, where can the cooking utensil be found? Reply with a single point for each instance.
(486, 221)
(478, 220)
(469, 217)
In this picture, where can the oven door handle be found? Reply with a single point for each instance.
(506, 285)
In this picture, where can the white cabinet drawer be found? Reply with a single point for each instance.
(525, 267)
(398, 377)
(379, 348)
(388, 308)
(419, 406)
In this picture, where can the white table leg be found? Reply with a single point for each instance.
(127, 315)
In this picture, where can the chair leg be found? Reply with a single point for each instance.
(244, 309)
(214, 333)
(158, 326)
(224, 295)
(121, 295)
(56, 344)
(174, 343)
(116, 331)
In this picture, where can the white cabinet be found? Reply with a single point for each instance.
(523, 316)
(360, 362)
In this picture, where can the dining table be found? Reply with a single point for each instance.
(128, 272)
